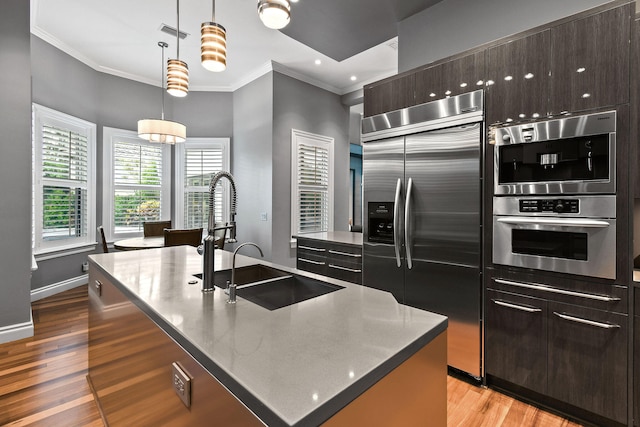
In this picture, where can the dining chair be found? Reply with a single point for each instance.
(176, 237)
(105, 248)
(155, 228)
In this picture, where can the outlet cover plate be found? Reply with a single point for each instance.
(181, 384)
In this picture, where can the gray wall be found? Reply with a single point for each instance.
(251, 162)
(301, 106)
(15, 163)
(65, 84)
(453, 26)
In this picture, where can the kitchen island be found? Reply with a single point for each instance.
(163, 352)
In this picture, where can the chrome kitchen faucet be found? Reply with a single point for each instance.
(209, 241)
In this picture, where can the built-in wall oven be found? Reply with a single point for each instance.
(554, 205)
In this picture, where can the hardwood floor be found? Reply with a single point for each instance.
(43, 378)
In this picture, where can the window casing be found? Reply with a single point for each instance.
(136, 185)
(197, 160)
(311, 183)
(63, 181)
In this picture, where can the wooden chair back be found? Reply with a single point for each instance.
(155, 228)
(177, 237)
(105, 248)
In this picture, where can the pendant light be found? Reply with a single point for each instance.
(163, 131)
(213, 44)
(177, 71)
(274, 14)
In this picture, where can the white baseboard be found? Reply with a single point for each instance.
(17, 331)
(56, 288)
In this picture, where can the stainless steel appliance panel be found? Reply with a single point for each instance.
(383, 181)
(582, 243)
(442, 234)
(572, 155)
(442, 204)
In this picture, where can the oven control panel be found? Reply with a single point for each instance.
(550, 205)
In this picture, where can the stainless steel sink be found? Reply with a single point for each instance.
(284, 291)
(249, 274)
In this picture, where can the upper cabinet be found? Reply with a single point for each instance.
(518, 79)
(390, 94)
(450, 78)
(590, 61)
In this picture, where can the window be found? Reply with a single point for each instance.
(312, 183)
(63, 181)
(137, 182)
(197, 161)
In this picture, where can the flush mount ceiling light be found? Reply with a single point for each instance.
(274, 14)
(177, 71)
(213, 44)
(163, 131)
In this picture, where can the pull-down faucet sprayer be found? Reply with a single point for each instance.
(209, 241)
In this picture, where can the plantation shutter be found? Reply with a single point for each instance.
(200, 165)
(313, 188)
(137, 181)
(65, 174)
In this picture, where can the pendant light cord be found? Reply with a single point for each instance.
(213, 11)
(162, 45)
(178, 31)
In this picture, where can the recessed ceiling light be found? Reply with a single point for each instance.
(528, 76)
(353, 78)
(581, 70)
(318, 62)
(508, 78)
(463, 85)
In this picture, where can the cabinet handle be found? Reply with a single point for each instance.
(331, 251)
(310, 261)
(546, 288)
(309, 248)
(586, 321)
(517, 307)
(345, 268)
(98, 286)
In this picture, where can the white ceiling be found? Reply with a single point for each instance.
(120, 37)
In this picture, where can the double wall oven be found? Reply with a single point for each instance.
(554, 205)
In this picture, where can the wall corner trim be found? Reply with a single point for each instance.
(17, 331)
(56, 288)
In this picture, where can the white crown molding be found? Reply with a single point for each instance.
(299, 76)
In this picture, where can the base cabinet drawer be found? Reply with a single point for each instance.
(587, 360)
(339, 261)
(516, 328)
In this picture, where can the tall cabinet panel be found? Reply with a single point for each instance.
(590, 61)
(450, 78)
(636, 363)
(518, 79)
(388, 95)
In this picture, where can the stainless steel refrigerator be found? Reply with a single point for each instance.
(422, 169)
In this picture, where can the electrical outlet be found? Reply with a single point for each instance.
(181, 383)
(85, 267)
(263, 216)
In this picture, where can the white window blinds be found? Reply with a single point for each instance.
(137, 180)
(64, 180)
(198, 160)
(312, 197)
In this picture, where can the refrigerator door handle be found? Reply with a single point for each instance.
(396, 223)
(408, 232)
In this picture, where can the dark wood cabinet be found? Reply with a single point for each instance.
(518, 79)
(516, 334)
(564, 340)
(332, 259)
(590, 61)
(390, 94)
(450, 78)
(587, 359)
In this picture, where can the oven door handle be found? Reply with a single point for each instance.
(568, 222)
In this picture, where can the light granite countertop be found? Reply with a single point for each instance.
(346, 237)
(297, 365)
